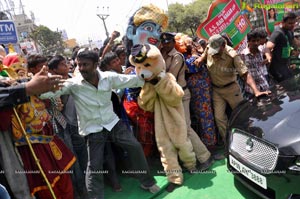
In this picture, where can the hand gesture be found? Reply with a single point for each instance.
(41, 82)
(115, 35)
(128, 70)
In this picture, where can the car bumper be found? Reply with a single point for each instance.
(279, 186)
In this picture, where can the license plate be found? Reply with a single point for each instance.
(248, 173)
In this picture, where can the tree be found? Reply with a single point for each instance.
(50, 42)
(187, 18)
(175, 14)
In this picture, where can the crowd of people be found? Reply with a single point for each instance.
(81, 116)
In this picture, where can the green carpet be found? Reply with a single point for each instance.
(217, 183)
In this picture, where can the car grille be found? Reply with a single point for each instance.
(254, 151)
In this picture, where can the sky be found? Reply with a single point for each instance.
(79, 17)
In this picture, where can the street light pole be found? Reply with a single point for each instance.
(103, 16)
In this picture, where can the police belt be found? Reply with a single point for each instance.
(224, 86)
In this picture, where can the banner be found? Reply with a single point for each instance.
(29, 46)
(226, 16)
(274, 10)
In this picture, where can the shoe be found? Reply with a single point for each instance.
(204, 166)
(153, 189)
(219, 156)
(117, 188)
(172, 186)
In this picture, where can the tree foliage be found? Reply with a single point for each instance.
(51, 42)
(187, 18)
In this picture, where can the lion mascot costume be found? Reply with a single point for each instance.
(162, 95)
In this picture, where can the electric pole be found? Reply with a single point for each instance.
(103, 16)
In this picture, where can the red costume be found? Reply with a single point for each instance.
(55, 158)
(143, 122)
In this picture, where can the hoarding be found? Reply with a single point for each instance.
(226, 16)
(8, 32)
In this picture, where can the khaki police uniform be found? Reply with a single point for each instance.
(223, 72)
(175, 64)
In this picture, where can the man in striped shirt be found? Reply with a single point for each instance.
(253, 58)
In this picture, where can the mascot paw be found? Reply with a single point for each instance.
(161, 75)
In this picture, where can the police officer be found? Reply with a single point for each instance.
(223, 63)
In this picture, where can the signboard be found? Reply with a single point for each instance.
(8, 32)
(226, 16)
(274, 10)
(29, 46)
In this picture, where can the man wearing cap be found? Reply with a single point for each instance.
(222, 63)
(175, 64)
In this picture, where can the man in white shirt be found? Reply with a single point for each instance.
(91, 90)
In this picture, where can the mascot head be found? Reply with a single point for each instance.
(17, 63)
(145, 27)
(148, 61)
(13, 64)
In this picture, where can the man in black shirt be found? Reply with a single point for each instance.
(278, 48)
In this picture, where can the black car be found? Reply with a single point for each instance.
(264, 142)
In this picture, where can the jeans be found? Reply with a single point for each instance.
(110, 164)
(121, 136)
(3, 193)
